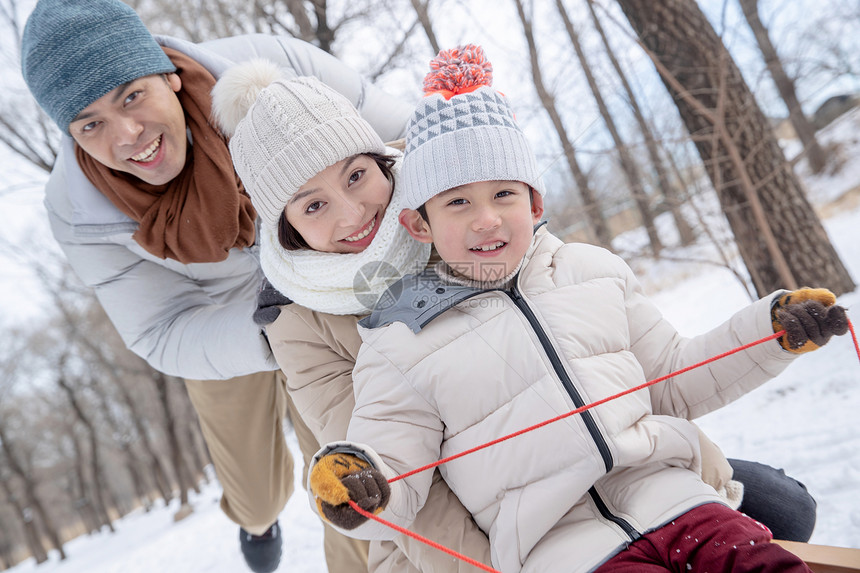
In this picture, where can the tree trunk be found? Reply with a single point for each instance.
(99, 484)
(159, 474)
(424, 17)
(119, 377)
(598, 228)
(161, 383)
(123, 441)
(7, 542)
(32, 503)
(31, 533)
(82, 503)
(673, 199)
(628, 164)
(300, 16)
(779, 236)
(196, 443)
(324, 33)
(814, 152)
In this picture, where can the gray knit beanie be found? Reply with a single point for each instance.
(463, 131)
(285, 131)
(75, 51)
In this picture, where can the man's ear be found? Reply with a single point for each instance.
(173, 81)
(537, 206)
(416, 225)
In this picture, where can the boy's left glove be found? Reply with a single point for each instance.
(810, 317)
(337, 478)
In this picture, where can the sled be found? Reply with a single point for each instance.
(825, 558)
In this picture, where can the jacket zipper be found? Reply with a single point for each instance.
(587, 418)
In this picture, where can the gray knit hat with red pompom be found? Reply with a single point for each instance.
(463, 131)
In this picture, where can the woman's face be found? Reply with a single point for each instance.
(340, 209)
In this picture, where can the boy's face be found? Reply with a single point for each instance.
(339, 210)
(482, 230)
(137, 128)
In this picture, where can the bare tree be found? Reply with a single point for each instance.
(7, 540)
(161, 382)
(422, 9)
(685, 232)
(30, 505)
(24, 127)
(785, 85)
(25, 515)
(778, 234)
(314, 21)
(159, 473)
(76, 482)
(100, 485)
(836, 55)
(628, 164)
(123, 437)
(195, 444)
(597, 223)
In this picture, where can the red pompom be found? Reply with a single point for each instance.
(458, 70)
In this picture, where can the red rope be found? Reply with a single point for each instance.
(854, 337)
(404, 531)
(480, 565)
(587, 406)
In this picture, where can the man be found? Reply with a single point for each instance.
(145, 203)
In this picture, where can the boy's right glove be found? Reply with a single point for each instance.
(339, 477)
(809, 316)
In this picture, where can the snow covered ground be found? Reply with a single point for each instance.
(206, 541)
(804, 421)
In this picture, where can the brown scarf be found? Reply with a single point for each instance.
(203, 212)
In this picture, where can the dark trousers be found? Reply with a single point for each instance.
(711, 537)
(775, 499)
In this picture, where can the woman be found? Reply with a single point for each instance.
(322, 182)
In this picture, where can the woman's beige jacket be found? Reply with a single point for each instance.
(317, 352)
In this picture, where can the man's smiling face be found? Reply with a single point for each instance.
(137, 128)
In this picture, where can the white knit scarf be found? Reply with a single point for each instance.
(345, 283)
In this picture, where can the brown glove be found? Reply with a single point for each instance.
(810, 317)
(339, 477)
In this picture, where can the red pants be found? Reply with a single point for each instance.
(711, 538)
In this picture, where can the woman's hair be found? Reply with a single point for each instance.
(291, 240)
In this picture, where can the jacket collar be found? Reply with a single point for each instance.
(415, 300)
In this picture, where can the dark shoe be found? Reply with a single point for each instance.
(262, 552)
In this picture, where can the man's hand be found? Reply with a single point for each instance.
(810, 317)
(338, 478)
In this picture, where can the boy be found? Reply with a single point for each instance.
(514, 327)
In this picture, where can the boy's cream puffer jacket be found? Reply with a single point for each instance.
(576, 329)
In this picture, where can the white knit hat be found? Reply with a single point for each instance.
(285, 131)
(463, 131)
